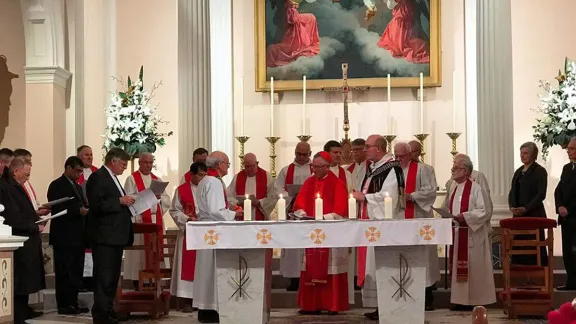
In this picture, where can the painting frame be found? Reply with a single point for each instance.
(263, 84)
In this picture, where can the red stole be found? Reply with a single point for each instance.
(410, 210)
(188, 256)
(187, 177)
(290, 175)
(462, 240)
(33, 193)
(333, 193)
(261, 188)
(342, 174)
(81, 179)
(147, 215)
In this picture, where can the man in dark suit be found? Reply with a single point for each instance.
(565, 199)
(67, 237)
(109, 229)
(21, 216)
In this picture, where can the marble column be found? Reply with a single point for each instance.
(194, 88)
(494, 120)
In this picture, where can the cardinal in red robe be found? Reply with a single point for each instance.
(324, 278)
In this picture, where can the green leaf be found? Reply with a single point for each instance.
(141, 75)
(122, 95)
(129, 82)
(566, 65)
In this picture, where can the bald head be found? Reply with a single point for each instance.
(250, 164)
(302, 153)
(250, 158)
(376, 146)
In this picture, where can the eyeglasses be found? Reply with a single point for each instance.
(368, 146)
(319, 166)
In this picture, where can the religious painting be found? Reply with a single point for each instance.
(377, 38)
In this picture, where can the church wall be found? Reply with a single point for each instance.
(149, 36)
(539, 50)
(12, 102)
(368, 111)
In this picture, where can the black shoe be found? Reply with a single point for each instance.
(82, 310)
(566, 288)
(429, 299)
(303, 312)
(188, 309)
(136, 285)
(373, 315)
(356, 287)
(294, 284)
(208, 316)
(104, 320)
(33, 314)
(70, 310)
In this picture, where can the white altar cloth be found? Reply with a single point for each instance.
(325, 233)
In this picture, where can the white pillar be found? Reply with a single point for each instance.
(194, 122)
(494, 95)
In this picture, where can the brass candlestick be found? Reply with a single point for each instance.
(242, 140)
(304, 138)
(421, 138)
(454, 137)
(272, 140)
(389, 139)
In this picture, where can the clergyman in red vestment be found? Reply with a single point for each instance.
(324, 278)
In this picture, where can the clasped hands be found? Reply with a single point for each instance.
(518, 211)
(562, 211)
(460, 219)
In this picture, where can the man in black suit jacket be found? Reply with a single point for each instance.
(67, 236)
(109, 229)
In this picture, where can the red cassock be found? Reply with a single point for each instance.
(318, 289)
(301, 38)
(398, 36)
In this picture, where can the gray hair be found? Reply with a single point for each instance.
(466, 161)
(213, 161)
(406, 146)
(143, 154)
(116, 153)
(19, 162)
(532, 148)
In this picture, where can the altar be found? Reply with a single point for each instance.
(244, 252)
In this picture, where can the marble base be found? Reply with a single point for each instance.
(401, 282)
(250, 302)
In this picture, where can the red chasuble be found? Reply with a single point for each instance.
(188, 256)
(290, 175)
(319, 290)
(81, 179)
(410, 211)
(462, 240)
(261, 188)
(147, 215)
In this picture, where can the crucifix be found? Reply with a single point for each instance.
(346, 146)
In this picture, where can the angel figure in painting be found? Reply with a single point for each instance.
(300, 38)
(403, 37)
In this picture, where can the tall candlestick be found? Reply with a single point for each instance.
(454, 102)
(304, 105)
(421, 103)
(319, 208)
(271, 106)
(241, 106)
(352, 208)
(389, 103)
(281, 208)
(387, 207)
(247, 209)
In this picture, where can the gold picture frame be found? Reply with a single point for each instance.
(433, 79)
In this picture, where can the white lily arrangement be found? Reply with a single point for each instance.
(558, 105)
(131, 121)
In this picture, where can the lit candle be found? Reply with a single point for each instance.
(421, 103)
(271, 106)
(319, 208)
(454, 101)
(247, 209)
(304, 105)
(281, 208)
(351, 207)
(388, 206)
(389, 103)
(241, 106)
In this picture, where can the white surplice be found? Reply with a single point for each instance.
(480, 288)
(375, 208)
(135, 260)
(211, 206)
(349, 183)
(424, 197)
(178, 287)
(480, 179)
(267, 203)
(290, 258)
(358, 175)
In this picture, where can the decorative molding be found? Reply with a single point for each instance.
(49, 74)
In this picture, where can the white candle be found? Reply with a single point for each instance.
(304, 105)
(388, 206)
(389, 103)
(351, 207)
(241, 106)
(421, 103)
(247, 209)
(319, 208)
(271, 106)
(454, 101)
(281, 208)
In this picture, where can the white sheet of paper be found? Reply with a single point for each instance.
(47, 218)
(158, 187)
(145, 200)
(57, 201)
(443, 212)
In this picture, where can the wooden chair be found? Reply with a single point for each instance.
(151, 299)
(518, 297)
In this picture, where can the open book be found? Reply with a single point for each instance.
(296, 217)
(47, 218)
(57, 201)
(443, 212)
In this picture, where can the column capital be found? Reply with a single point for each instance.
(47, 74)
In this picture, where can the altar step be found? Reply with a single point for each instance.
(286, 299)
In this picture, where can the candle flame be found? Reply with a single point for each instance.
(318, 195)
(247, 196)
(280, 196)
(386, 194)
(351, 196)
